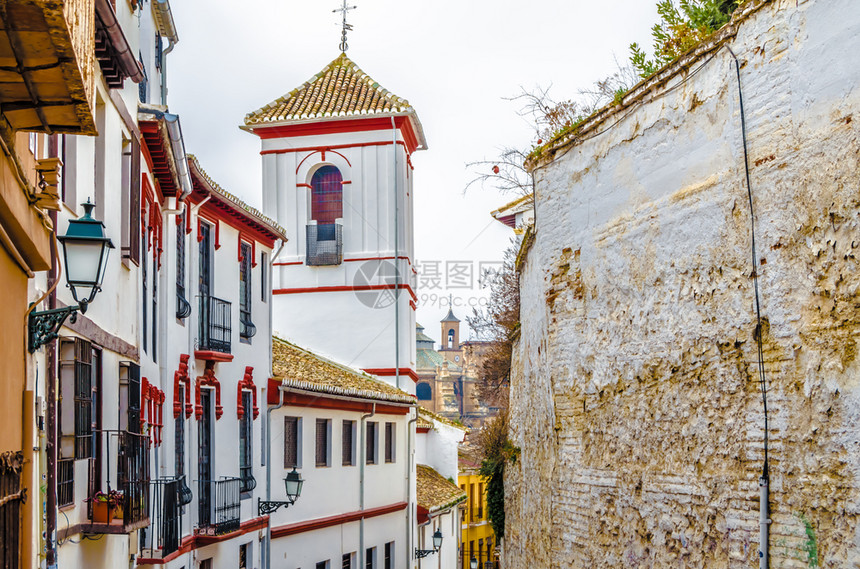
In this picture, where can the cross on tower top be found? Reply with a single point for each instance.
(346, 27)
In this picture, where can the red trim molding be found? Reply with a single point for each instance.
(324, 401)
(193, 542)
(208, 379)
(389, 371)
(247, 382)
(422, 430)
(211, 356)
(404, 124)
(303, 290)
(320, 523)
(180, 377)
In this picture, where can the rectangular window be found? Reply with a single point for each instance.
(370, 560)
(154, 303)
(389, 442)
(480, 500)
(130, 199)
(324, 564)
(144, 278)
(389, 556)
(348, 444)
(183, 307)
(471, 502)
(206, 564)
(243, 556)
(370, 446)
(291, 442)
(264, 267)
(76, 399)
(322, 442)
(247, 329)
(347, 560)
(245, 454)
(179, 434)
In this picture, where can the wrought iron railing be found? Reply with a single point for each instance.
(65, 482)
(130, 478)
(324, 244)
(215, 325)
(247, 328)
(162, 537)
(222, 514)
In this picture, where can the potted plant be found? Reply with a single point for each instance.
(106, 506)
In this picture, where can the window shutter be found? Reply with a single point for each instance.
(371, 444)
(134, 203)
(322, 440)
(346, 453)
(83, 398)
(291, 442)
(389, 442)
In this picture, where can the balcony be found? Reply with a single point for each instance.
(163, 536)
(324, 244)
(124, 506)
(218, 504)
(48, 65)
(215, 325)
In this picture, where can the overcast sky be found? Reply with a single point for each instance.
(455, 61)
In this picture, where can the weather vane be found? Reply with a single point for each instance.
(346, 27)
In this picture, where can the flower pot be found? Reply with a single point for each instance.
(101, 512)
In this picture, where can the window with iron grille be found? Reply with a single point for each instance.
(243, 555)
(65, 482)
(11, 499)
(347, 560)
(370, 559)
(247, 329)
(371, 442)
(348, 444)
(322, 442)
(389, 442)
(183, 307)
(389, 556)
(291, 442)
(245, 454)
(179, 435)
(76, 398)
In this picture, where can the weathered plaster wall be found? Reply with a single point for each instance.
(635, 399)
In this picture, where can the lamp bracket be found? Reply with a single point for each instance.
(422, 553)
(44, 326)
(265, 507)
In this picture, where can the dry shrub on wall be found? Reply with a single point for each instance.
(497, 450)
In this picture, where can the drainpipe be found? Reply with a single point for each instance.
(170, 45)
(396, 259)
(267, 562)
(51, 420)
(409, 458)
(363, 437)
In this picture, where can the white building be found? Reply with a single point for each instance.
(337, 173)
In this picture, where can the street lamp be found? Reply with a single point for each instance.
(293, 483)
(437, 544)
(85, 253)
(473, 563)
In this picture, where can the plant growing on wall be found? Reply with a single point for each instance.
(497, 450)
(680, 28)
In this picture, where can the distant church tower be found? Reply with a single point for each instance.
(337, 175)
(450, 332)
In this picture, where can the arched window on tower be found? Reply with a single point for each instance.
(451, 339)
(325, 246)
(424, 392)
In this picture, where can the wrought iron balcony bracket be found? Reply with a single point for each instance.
(422, 553)
(264, 507)
(44, 326)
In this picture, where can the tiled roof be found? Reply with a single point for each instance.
(434, 492)
(450, 316)
(420, 336)
(241, 207)
(341, 89)
(430, 416)
(519, 205)
(300, 369)
(423, 423)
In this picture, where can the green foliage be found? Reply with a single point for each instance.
(498, 451)
(811, 544)
(619, 95)
(681, 27)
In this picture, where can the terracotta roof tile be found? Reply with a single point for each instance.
(341, 89)
(300, 369)
(248, 211)
(434, 492)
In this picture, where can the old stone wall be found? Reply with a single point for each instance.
(635, 398)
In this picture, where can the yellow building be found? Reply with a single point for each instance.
(478, 539)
